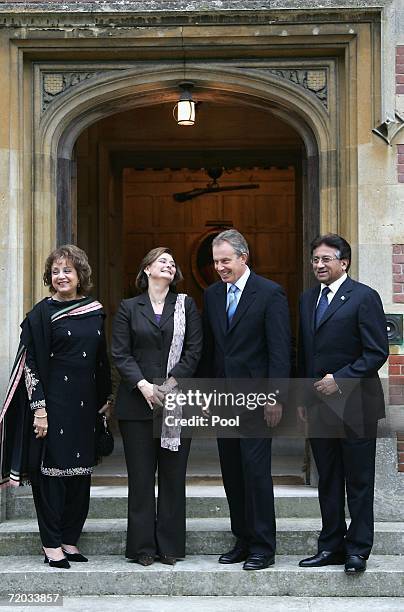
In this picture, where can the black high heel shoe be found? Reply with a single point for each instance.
(78, 557)
(61, 564)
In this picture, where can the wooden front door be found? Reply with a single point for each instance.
(268, 217)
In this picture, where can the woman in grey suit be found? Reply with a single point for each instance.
(156, 335)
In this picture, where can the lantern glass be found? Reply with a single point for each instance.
(186, 112)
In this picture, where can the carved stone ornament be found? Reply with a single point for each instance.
(55, 83)
(389, 128)
(313, 80)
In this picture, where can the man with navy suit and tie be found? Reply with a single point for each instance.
(342, 344)
(246, 336)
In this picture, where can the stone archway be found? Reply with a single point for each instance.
(114, 91)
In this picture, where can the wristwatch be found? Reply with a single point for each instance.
(141, 383)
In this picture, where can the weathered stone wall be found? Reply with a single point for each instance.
(192, 5)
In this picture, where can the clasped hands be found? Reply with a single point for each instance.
(155, 394)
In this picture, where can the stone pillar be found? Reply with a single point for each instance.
(389, 486)
(15, 215)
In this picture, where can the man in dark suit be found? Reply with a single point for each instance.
(246, 336)
(342, 344)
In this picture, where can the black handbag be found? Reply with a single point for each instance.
(104, 440)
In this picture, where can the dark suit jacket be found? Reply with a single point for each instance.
(140, 349)
(257, 343)
(350, 343)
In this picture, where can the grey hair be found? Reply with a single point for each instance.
(235, 239)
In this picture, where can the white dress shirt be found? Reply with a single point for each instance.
(333, 287)
(240, 284)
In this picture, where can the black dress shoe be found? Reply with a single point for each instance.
(77, 557)
(322, 558)
(168, 559)
(235, 555)
(256, 561)
(145, 559)
(61, 563)
(355, 564)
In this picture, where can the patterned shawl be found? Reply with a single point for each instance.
(170, 436)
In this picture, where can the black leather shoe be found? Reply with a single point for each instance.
(76, 557)
(145, 559)
(258, 562)
(235, 555)
(322, 558)
(355, 564)
(168, 559)
(60, 564)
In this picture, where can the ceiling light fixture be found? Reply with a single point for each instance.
(184, 110)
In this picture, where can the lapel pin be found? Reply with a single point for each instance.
(342, 297)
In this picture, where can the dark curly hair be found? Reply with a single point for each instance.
(78, 258)
(142, 282)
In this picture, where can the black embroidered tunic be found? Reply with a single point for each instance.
(78, 385)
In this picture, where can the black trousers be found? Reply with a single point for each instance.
(247, 479)
(346, 464)
(61, 505)
(154, 531)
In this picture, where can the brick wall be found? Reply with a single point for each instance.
(396, 379)
(400, 69)
(400, 163)
(396, 362)
(398, 273)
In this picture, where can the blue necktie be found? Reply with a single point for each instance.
(231, 302)
(322, 305)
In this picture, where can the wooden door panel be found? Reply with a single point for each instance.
(138, 212)
(167, 212)
(240, 209)
(203, 208)
(136, 245)
(267, 217)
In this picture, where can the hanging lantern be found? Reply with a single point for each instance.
(184, 110)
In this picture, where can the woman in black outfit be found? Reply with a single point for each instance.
(156, 335)
(49, 418)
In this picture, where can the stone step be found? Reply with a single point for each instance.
(204, 536)
(203, 501)
(201, 576)
(172, 603)
(121, 480)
